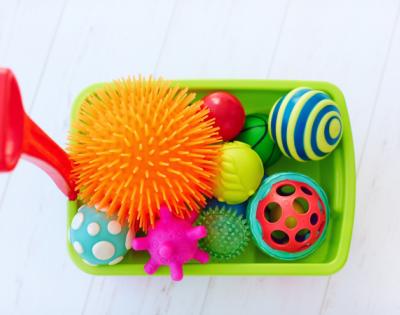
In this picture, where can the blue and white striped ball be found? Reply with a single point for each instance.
(305, 124)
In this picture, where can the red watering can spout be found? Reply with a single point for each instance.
(20, 136)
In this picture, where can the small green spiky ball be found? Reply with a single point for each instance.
(227, 233)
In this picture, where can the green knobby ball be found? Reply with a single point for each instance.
(255, 133)
(227, 233)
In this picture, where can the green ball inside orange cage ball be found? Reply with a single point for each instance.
(256, 134)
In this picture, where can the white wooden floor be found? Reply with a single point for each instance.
(57, 47)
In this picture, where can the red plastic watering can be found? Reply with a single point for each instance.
(20, 136)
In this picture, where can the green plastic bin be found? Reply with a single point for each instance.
(336, 174)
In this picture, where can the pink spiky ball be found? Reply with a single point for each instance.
(172, 242)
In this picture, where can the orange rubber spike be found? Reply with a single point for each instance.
(151, 144)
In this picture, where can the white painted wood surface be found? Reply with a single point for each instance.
(58, 47)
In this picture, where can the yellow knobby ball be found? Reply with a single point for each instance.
(240, 173)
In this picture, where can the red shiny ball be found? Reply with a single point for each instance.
(228, 113)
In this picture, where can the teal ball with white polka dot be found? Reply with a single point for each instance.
(98, 239)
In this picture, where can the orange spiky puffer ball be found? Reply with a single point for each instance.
(139, 143)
